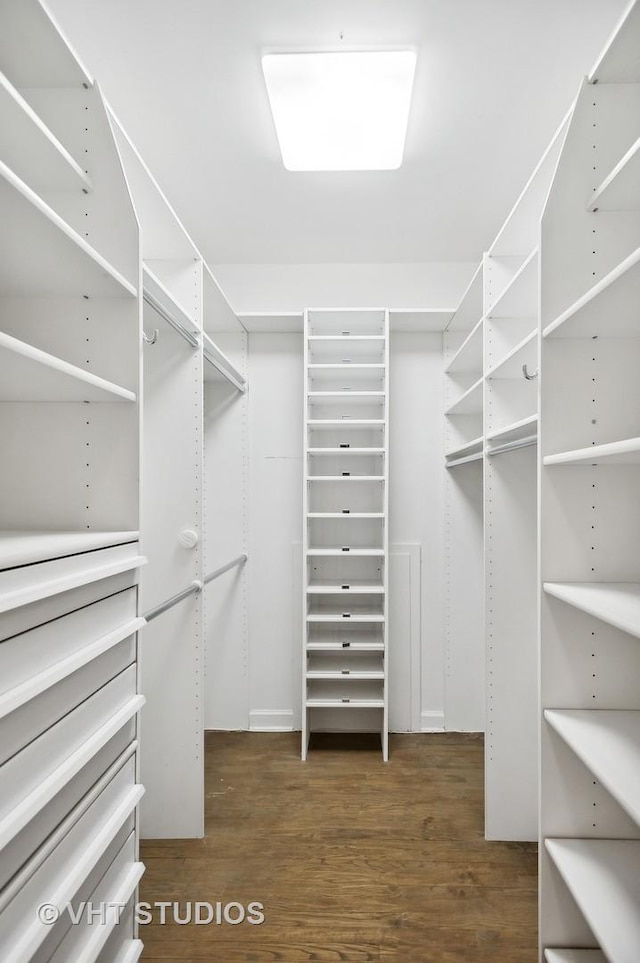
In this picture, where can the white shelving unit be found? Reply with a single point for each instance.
(590, 524)
(69, 501)
(345, 524)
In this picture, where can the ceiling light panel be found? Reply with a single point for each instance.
(340, 111)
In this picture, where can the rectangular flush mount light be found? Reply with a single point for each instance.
(340, 111)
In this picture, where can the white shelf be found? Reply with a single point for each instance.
(345, 675)
(468, 357)
(574, 956)
(345, 514)
(344, 394)
(273, 322)
(345, 478)
(346, 703)
(343, 366)
(510, 366)
(603, 876)
(608, 309)
(467, 450)
(464, 460)
(469, 403)
(352, 588)
(620, 190)
(28, 374)
(346, 337)
(45, 256)
(345, 451)
(520, 297)
(158, 296)
(519, 431)
(351, 647)
(338, 552)
(608, 743)
(345, 422)
(30, 147)
(218, 367)
(24, 548)
(616, 603)
(343, 618)
(469, 311)
(33, 52)
(625, 452)
(420, 319)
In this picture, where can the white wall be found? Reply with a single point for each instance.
(253, 669)
(293, 287)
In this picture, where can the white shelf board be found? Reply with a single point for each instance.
(616, 603)
(608, 743)
(469, 403)
(345, 514)
(351, 647)
(464, 460)
(349, 703)
(620, 190)
(41, 254)
(510, 366)
(574, 956)
(28, 374)
(518, 431)
(28, 145)
(469, 311)
(158, 294)
(345, 478)
(603, 875)
(468, 357)
(350, 617)
(420, 319)
(218, 367)
(520, 297)
(345, 675)
(625, 452)
(608, 309)
(345, 422)
(34, 53)
(271, 322)
(352, 588)
(345, 451)
(349, 338)
(335, 552)
(24, 547)
(342, 393)
(470, 448)
(343, 366)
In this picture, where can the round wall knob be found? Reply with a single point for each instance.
(188, 538)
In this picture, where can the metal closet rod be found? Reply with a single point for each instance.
(195, 587)
(179, 328)
(219, 365)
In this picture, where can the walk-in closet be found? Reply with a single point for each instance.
(319, 481)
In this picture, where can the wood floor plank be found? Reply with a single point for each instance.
(353, 860)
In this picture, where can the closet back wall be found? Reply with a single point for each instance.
(253, 637)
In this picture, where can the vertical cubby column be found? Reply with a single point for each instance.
(590, 523)
(345, 524)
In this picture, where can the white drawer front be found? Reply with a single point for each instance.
(78, 862)
(33, 776)
(50, 817)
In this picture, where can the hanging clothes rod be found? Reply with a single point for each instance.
(161, 312)
(240, 560)
(513, 445)
(195, 587)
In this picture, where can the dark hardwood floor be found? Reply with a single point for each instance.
(352, 859)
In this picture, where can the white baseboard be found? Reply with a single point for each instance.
(431, 721)
(271, 720)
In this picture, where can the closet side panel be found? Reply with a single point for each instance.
(226, 704)
(275, 512)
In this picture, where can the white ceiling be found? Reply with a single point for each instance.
(493, 81)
